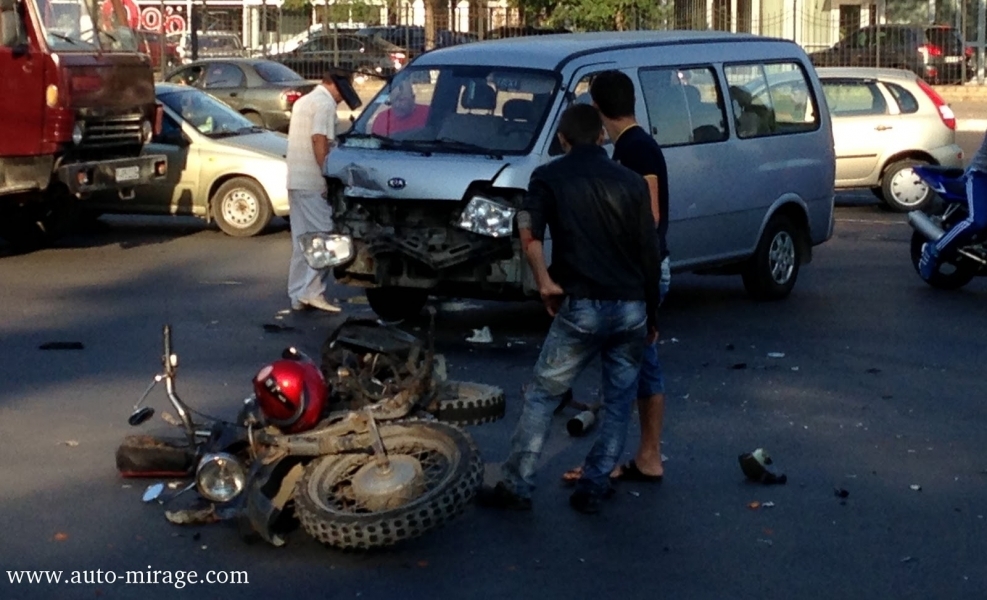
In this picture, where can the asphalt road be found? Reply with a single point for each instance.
(880, 388)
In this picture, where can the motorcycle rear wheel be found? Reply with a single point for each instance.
(949, 275)
(451, 467)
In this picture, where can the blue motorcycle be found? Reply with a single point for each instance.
(958, 268)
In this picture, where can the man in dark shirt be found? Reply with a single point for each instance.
(613, 94)
(602, 290)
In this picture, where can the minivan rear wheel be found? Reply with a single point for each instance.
(902, 189)
(772, 270)
(396, 303)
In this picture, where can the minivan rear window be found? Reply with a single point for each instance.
(770, 99)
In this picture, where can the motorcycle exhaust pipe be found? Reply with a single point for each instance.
(921, 223)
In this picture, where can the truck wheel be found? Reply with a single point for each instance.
(346, 502)
(241, 207)
(396, 303)
(774, 267)
(902, 189)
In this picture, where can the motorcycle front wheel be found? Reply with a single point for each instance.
(344, 501)
(950, 275)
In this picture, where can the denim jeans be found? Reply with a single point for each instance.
(582, 329)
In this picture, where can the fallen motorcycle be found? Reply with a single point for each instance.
(353, 451)
(960, 267)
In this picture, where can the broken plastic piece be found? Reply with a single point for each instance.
(776, 355)
(481, 336)
(754, 465)
(916, 487)
(192, 517)
(840, 492)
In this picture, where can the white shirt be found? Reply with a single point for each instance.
(313, 114)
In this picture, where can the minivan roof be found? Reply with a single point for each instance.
(550, 51)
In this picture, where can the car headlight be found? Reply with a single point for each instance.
(220, 477)
(78, 132)
(487, 217)
(326, 250)
(147, 131)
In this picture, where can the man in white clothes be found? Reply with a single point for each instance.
(311, 135)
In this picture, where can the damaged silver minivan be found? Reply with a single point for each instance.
(427, 181)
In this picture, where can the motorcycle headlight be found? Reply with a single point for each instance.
(326, 250)
(220, 477)
(78, 132)
(487, 217)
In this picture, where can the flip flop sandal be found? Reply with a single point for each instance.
(630, 472)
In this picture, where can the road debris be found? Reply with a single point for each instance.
(768, 504)
(907, 559)
(754, 465)
(916, 487)
(481, 336)
(766, 542)
(61, 537)
(873, 370)
(153, 492)
(840, 492)
(635, 494)
(192, 516)
(61, 346)
(357, 300)
(277, 327)
(170, 419)
(738, 366)
(458, 306)
(776, 355)
(70, 443)
(754, 505)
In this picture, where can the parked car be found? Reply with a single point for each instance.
(290, 43)
(212, 44)
(364, 56)
(221, 167)
(934, 52)
(412, 37)
(264, 91)
(527, 30)
(428, 195)
(884, 123)
(150, 43)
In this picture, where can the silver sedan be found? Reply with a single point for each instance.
(221, 166)
(885, 121)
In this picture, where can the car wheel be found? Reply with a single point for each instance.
(902, 189)
(255, 118)
(241, 207)
(396, 303)
(772, 270)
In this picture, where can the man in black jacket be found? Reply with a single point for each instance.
(602, 290)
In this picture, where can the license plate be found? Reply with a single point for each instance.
(953, 59)
(128, 173)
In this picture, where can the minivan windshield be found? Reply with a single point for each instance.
(71, 26)
(459, 109)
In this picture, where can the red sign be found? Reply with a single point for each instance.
(150, 17)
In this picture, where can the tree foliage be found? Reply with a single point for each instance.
(598, 15)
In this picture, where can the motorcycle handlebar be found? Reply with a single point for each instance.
(168, 367)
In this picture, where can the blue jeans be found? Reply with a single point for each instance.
(652, 381)
(582, 329)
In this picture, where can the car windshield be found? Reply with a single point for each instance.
(273, 72)
(464, 109)
(205, 113)
(71, 26)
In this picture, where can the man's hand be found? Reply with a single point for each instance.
(551, 296)
(652, 336)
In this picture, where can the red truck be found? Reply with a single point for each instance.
(76, 108)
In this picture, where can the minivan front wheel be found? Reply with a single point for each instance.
(772, 270)
(396, 303)
(902, 189)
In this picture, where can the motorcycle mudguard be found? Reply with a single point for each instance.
(269, 489)
(151, 456)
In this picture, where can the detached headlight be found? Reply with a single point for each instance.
(487, 217)
(326, 250)
(78, 132)
(220, 477)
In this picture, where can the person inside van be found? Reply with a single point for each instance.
(404, 113)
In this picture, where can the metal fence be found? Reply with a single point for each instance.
(930, 32)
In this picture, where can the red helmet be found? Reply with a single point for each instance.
(291, 394)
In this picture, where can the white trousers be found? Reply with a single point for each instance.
(310, 213)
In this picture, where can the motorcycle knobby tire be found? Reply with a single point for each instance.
(353, 529)
(465, 403)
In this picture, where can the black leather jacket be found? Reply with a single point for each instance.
(604, 244)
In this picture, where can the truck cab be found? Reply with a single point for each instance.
(76, 108)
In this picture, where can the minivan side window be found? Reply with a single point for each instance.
(770, 99)
(684, 105)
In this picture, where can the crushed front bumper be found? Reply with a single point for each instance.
(116, 174)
